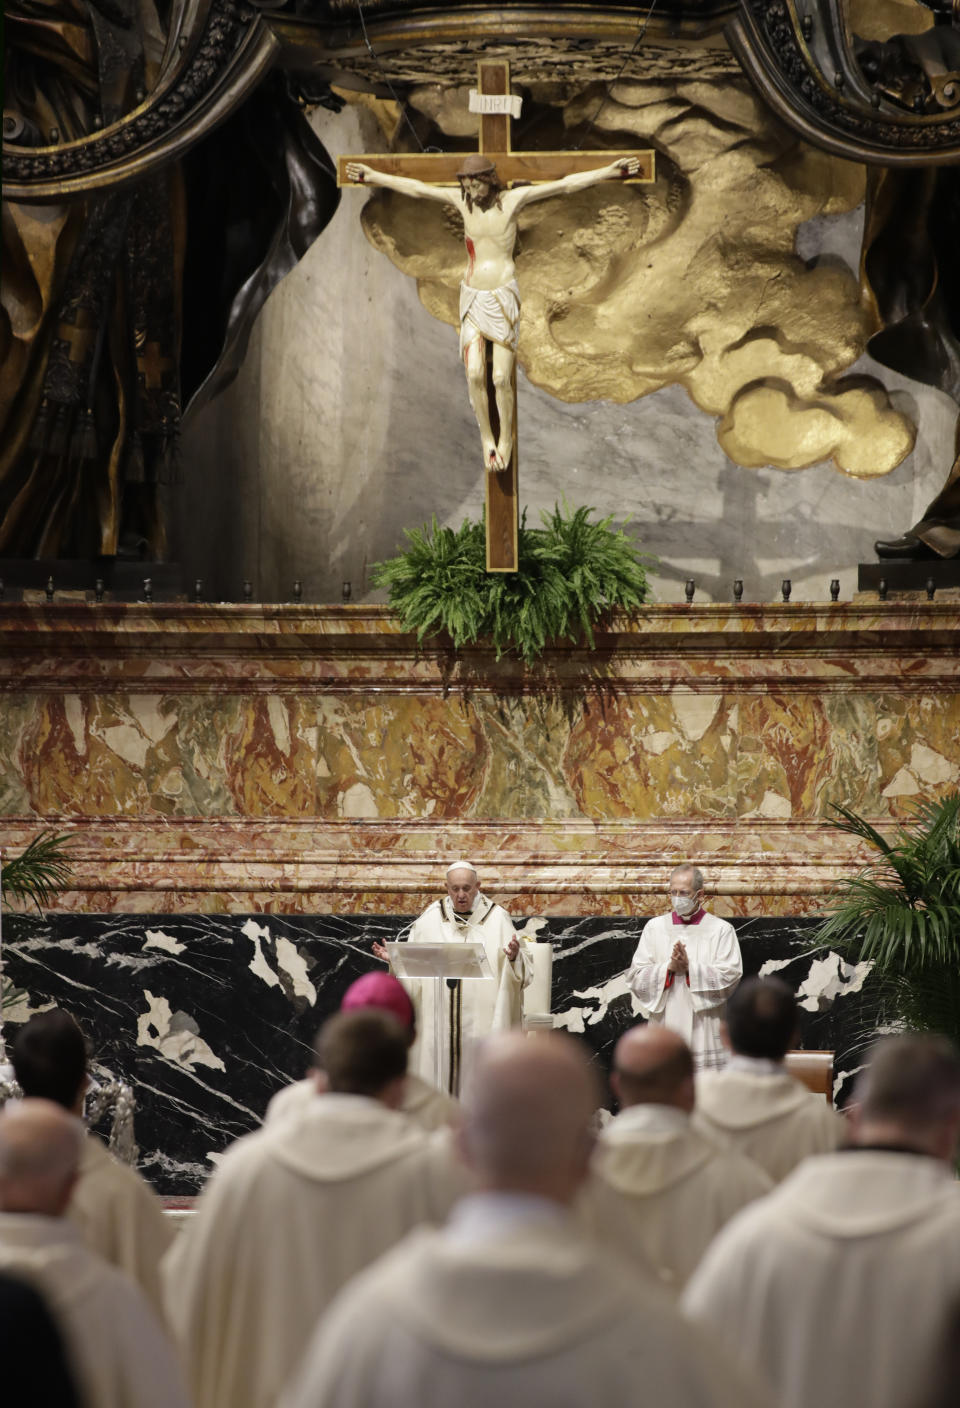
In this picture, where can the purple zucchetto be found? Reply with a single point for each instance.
(380, 990)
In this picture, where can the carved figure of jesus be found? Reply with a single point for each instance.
(489, 296)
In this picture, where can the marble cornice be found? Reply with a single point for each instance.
(190, 649)
(241, 865)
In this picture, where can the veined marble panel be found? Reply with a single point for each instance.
(312, 759)
(207, 1016)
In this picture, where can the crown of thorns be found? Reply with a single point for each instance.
(477, 165)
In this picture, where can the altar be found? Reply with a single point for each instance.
(255, 793)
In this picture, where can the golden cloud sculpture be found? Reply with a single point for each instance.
(694, 280)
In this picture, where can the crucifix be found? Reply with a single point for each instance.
(489, 188)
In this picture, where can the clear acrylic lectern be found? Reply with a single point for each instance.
(439, 963)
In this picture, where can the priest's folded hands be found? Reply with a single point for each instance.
(679, 960)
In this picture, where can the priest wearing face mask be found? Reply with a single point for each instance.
(686, 965)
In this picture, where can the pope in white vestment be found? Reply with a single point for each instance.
(117, 1348)
(120, 1217)
(473, 1008)
(837, 1286)
(291, 1213)
(764, 1112)
(691, 1002)
(510, 1306)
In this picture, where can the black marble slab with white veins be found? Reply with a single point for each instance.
(206, 1016)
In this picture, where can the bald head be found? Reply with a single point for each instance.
(653, 1066)
(527, 1114)
(40, 1145)
(909, 1095)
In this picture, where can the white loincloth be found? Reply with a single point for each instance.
(493, 312)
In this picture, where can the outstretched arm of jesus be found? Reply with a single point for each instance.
(406, 185)
(621, 169)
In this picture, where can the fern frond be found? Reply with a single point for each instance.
(569, 572)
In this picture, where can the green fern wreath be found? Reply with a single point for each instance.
(570, 572)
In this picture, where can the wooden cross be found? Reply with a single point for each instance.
(513, 168)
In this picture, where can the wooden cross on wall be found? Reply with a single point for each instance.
(493, 84)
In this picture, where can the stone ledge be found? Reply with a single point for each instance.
(571, 868)
(197, 649)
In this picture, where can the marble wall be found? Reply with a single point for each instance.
(349, 422)
(313, 760)
(253, 794)
(207, 1016)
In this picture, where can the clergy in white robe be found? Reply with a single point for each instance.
(837, 1287)
(296, 1209)
(686, 965)
(754, 1103)
(422, 1102)
(429, 1108)
(512, 1304)
(677, 1186)
(120, 1217)
(118, 1214)
(120, 1355)
(452, 1014)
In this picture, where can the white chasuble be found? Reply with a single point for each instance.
(767, 1115)
(290, 1214)
(428, 1107)
(838, 1287)
(471, 1009)
(121, 1218)
(510, 1309)
(677, 1187)
(120, 1354)
(691, 1004)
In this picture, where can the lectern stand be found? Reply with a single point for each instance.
(449, 963)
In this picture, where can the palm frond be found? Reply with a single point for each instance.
(858, 826)
(902, 911)
(40, 871)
